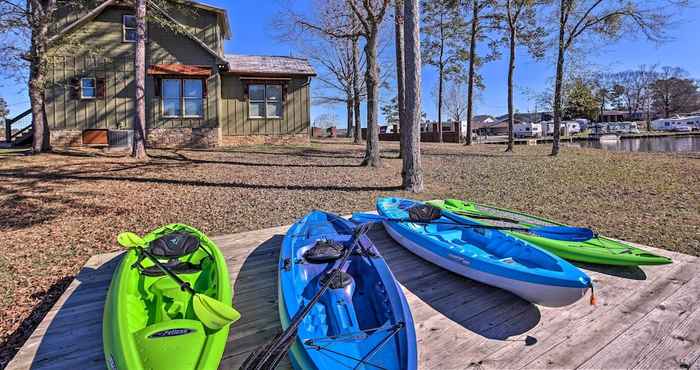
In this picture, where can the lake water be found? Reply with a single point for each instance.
(647, 144)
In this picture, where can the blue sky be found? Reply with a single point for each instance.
(252, 34)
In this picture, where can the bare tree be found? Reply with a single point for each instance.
(522, 29)
(673, 92)
(412, 171)
(481, 21)
(455, 104)
(400, 63)
(362, 20)
(336, 72)
(370, 17)
(444, 29)
(605, 18)
(356, 88)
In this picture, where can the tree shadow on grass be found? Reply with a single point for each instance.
(73, 338)
(484, 310)
(177, 156)
(57, 175)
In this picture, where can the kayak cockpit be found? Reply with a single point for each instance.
(354, 323)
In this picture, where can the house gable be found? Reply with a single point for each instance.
(98, 32)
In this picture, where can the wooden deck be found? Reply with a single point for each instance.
(645, 318)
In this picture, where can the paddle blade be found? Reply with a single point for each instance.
(130, 240)
(212, 313)
(363, 218)
(565, 233)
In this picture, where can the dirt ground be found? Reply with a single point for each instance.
(57, 210)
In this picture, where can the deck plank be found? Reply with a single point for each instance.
(459, 323)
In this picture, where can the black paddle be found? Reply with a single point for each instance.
(426, 214)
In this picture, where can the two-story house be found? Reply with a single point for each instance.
(197, 96)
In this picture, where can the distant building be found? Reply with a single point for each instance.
(625, 116)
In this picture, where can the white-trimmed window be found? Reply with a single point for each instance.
(193, 104)
(182, 98)
(265, 101)
(129, 30)
(88, 88)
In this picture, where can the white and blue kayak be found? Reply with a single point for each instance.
(362, 321)
(486, 255)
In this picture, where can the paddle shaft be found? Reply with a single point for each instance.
(455, 223)
(283, 341)
(183, 284)
(483, 217)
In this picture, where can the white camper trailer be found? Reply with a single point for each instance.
(527, 129)
(678, 124)
(572, 127)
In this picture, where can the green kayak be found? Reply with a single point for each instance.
(599, 250)
(150, 321)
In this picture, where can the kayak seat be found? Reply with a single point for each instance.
(324, 251)
(176, 266)
(174, 245)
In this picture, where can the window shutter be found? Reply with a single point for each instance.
(204, 89)
(100, 88)
(74, 87)
(156, 84)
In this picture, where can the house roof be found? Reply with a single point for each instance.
(481, 118)
(223, 15)
(269, 65)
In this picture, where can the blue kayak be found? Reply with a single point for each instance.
(487, 255)
(363, 320)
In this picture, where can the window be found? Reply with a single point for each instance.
(171, 98)
(88, 88)
(265, 101)
(129, 33)
(183, 98)
(193, 104)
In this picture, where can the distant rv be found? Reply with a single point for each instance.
(676, 124)
(615, 128)
(527, 129)
(572, 127)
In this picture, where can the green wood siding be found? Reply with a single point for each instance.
(235, 119)
(96, 50)
(65, 112)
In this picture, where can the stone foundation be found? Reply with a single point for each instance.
(298, 139)
(201, 138)
(205, 137)
(66, 138)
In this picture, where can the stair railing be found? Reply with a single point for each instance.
(9, 136)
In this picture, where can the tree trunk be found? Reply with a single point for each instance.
(400, 62)
(412, 172)
(356, 90)
(558, 79)
(470, 78)
(511, 73)
(348, 108)
(40, 14)
(441, 77)
(139, 145)
(372, 155)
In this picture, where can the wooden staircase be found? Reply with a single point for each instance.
(19, 137)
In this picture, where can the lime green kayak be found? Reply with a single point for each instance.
(149, 321)
(599, 250)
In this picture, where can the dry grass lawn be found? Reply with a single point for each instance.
(57, 210)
